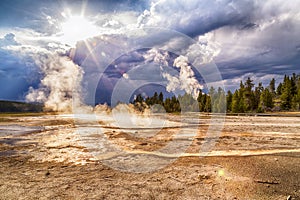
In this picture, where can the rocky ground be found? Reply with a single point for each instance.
(60, 157)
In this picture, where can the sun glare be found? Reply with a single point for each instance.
(77, 28)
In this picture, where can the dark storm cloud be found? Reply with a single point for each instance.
(253, 36)
(197, 17)
(16, 73)
(15, 76)
(260, 50)
(28, 14)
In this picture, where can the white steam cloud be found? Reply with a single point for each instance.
(60, 88)
(185, 81)
(154, 55)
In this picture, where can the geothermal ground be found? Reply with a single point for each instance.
(190, 156)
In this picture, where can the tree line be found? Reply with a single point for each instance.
(247, 98)
(12, 107)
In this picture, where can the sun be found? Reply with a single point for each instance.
(77, 28)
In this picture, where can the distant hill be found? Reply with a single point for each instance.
(12, 106)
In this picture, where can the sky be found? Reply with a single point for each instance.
(108, 51)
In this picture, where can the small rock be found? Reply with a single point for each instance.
(47, 173)
(289, 197)
(65, 187)
(203, 176)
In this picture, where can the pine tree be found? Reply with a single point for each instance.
(235, 106)
(202, 103)
(207, 107)
(160, 98)
(258, 90)
(286, 96)
(298, 93)
(139, 103)
(266, 101)
(272, 86)
(200, 100)
(211, 99)
(167, 105)
(139, 99)
(229, 100)
(148, 101)
(279, 89)
(241, 92)
(221, 101)
(296, 101)
(293, 84)
(248, 96)
(187, 102)
(154, 99)
(175, 105)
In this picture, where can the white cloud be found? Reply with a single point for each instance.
(117, 20)
(242, 34)
(8, 40)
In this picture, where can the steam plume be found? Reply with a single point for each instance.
(60, 88)
(185, 81)
(154, 55)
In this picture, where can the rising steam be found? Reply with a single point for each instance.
(60, 88)
(185, 81)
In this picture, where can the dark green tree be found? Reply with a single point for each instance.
(294, 84)
(188, 103)
(139, 99)
(235, 106)
(296, 101)
(160, 98)
(257, 92)
(207, 107)
(200, 101)
(286, 96)
(296, 96)
(220, 103)
(175, 104)
(279, 89)
(248, 96)
(229, 100)
(241, 98)
(272, 86)
(154, 99)
(266, 101)
(167, 105)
